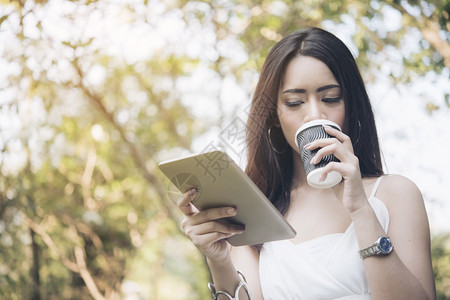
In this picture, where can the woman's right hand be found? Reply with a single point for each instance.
(202, 227)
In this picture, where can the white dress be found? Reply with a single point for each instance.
(327, 267)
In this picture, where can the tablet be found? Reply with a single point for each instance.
(220, 182)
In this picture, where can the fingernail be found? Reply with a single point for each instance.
(307, 146)
(231, 211)
(192, 192)
(240, 228)
(322, 177)
(326, 126)
(313, 160)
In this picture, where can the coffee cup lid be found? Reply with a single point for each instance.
(332, 179)
(315, 123)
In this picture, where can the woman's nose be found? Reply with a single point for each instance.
(314, 111)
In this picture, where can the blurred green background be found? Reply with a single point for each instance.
(94, 94)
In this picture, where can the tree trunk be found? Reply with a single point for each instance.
(35, 278)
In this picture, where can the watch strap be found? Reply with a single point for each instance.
(369, 251)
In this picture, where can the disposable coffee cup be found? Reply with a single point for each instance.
(306, 134)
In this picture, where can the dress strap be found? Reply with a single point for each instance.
(375, 187)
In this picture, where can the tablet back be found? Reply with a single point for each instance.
(222, 183)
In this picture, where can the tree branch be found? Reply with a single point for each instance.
(80, 258)
(430, 31)
(37, 228)
(140, 163)
(89, 202)
(79, 266)
(431, 34)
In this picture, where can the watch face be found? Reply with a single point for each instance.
(385, 245)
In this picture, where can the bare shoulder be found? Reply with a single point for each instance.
(404, 202)
(397, 190)
(406, 206)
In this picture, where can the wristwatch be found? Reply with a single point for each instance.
(383, 246)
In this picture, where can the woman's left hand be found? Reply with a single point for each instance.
(340, 145)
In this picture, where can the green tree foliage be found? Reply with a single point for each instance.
(94, 94)
(440, 249)
(83, 195)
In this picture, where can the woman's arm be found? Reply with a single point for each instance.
(407, 272)
(209, 236)
(246, 260)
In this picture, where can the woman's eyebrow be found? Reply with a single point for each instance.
(303, 91)
(327, 87)
(295, 91)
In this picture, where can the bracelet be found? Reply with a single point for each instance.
(243, 284)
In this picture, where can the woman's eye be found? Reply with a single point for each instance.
(293, 103)
(332, 100)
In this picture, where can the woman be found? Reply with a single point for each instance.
(312, 75)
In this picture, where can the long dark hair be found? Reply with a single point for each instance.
(272, 169)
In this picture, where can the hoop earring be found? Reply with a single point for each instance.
(271, 144)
